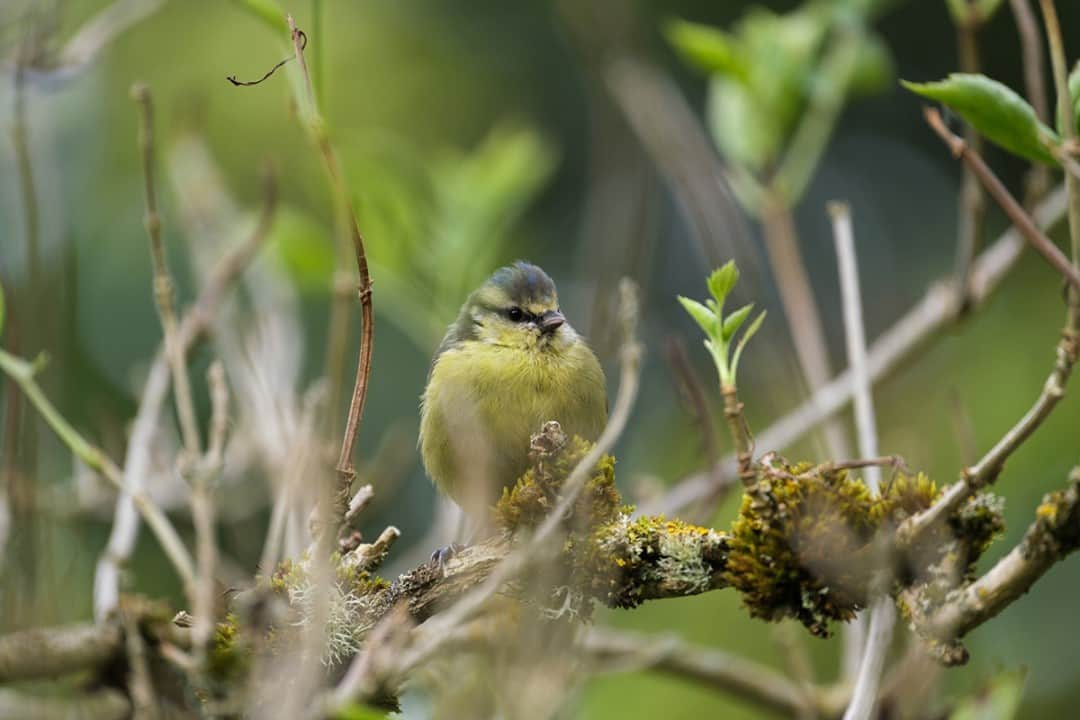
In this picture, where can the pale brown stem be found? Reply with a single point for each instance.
(163, 284)
(345, 466)
(740, 435)
(1020, 219)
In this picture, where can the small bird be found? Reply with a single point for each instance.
(509, 363)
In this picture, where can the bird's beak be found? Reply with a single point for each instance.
(550, 321)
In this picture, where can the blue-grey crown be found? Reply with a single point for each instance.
(524, 282)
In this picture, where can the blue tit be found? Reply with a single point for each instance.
(509, 363)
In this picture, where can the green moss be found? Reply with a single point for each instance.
(803, 543)
(537, 492)
(227, 659)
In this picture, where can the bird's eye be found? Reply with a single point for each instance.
(515, 314)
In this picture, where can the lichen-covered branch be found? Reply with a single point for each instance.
(1053, 535)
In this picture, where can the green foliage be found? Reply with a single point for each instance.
(302, 248)
(995, 111)
(435, 226)
(776, 83)
(709, 49)
(536, 492)
(3, 309)
(719, 329)
(999, 700)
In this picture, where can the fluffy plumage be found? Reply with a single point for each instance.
(508, 363)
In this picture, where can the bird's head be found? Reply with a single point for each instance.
(517, 307)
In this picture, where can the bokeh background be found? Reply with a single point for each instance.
(474, 133)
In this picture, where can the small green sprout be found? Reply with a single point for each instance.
(720, 329)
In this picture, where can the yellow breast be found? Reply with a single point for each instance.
(482, 403)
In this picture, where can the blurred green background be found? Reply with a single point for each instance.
(474, 133)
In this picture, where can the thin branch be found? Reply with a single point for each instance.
(140, 681)
(932, 314)
(271, 71)
(864, 696)
(125, 527)
(476, 574)
(882, 613)
(1038, 178)
(972, 205)
(742, 678)
(855, 334)
(1066, 125)
(23, 374)
(1048, 540)
(49, 652)
(163, 284)
(986, 470)
(202, 512)
(1031, 49)
(1020, 219)
(316, 126)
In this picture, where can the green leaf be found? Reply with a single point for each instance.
(750, 332)
(706, 48)
(722, 281)
(745, 131)
(999, 701)
(734, 321)
(874, 69)
(701, 314)
(995, 111)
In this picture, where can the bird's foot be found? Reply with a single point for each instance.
(442, 555)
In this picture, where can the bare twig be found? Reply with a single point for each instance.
(23, 374)
(1066, 125)
(1048, 540)
(271, 71)
(882, 614)
(713, 668)
(163, 284)
(986, 470)
(929, 316)
(972, 205)
(124, 532)
(317, 127)
(1020, 219)
(140, 682)
(740, 434)
(202, 512)
(1031, 49)
(864, 696)
(1038, 178)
